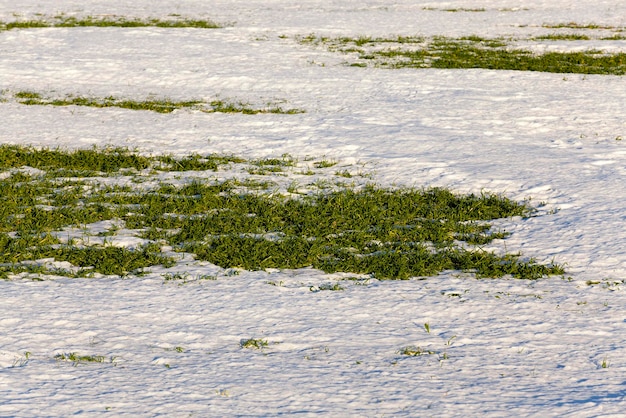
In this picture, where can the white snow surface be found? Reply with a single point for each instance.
(501, 347)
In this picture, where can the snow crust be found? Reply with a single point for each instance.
(502, 347)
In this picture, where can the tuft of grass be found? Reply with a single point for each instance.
(605, 363)
(256, 343)
(22, 360)
(326, 286)
(324, 164)
(184, 278)
(285, 160)
(77, 359)
(414, 351)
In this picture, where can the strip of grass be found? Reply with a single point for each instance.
(387, 233)
(111, 21)
(471, 52)
(456, 10)
(105, 160)
(574, 25)
(159, 106)
(94, 161)
(563, 37)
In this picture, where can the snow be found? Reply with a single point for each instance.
(513, 348)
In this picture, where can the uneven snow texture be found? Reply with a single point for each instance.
(500, 347)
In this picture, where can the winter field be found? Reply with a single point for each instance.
(105, 313)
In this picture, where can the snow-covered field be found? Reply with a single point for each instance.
(501, 347)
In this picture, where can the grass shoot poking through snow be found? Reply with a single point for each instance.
(386, 233)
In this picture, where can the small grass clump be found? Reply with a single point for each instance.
(472, 52)
(256, 343)
(324, 164)
(77, 359)
(414, 351)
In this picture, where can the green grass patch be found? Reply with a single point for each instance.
(154, 105)
(382, 232)
(391, 234)
(471, 52)
(105, 260)
(109, 21)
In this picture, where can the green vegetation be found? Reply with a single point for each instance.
(471, 52)
(605, 363)
(101, 259)
(245, 108)
(384, 233)
(77, 359)
(160, 106)
(184, 278)
(107, 160)
(110, 21)
(253, 343)
(326, 286)
(324, 164)
(455, 10)
(574, 25)
(414, 351)
(563, 37)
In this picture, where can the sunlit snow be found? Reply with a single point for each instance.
(505, 347)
